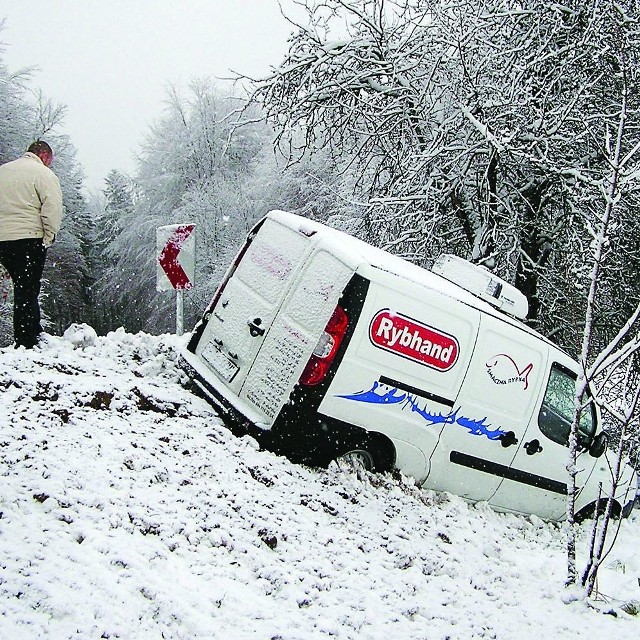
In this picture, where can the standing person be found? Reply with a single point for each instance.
(30, 217)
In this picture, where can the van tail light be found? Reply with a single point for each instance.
(326, 349)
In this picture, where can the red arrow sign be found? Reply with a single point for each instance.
(168, 258)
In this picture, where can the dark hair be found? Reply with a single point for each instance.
(40, 146)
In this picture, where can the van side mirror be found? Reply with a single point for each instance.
(599, 445)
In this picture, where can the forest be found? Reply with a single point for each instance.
(487, 130)
(504, 132)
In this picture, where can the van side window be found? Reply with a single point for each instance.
(556, 412)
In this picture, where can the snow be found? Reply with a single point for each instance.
(357, 254)
(128, 510)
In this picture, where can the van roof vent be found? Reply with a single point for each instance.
(482, 283)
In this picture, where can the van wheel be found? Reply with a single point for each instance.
(373, 452)
(600, 507)
(356, 459)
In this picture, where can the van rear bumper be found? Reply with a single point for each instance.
(300, 433)
(240, 421)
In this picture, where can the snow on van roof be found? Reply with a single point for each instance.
(355, 253)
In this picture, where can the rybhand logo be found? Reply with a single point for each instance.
(411, 339)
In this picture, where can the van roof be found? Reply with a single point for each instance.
(356, 253)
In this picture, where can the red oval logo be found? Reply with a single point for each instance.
(410, 339)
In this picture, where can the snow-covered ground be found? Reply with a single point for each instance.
(127, 510)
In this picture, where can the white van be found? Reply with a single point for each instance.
(323, 346)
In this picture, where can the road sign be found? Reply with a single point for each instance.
(176, 245)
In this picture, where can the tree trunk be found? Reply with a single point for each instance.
(535, 248)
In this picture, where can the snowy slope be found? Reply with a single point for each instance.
(128, 511)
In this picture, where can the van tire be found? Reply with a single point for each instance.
(591, 509)
(357, 459)
(372, 452)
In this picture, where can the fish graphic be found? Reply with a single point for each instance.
(385, 395)
(392, 396)
(502, 369)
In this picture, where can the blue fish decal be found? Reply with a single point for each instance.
(480, 428)
(372, 397)
(379, 394)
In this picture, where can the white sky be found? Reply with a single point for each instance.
(110, 61)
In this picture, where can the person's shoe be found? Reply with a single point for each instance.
(17, 345)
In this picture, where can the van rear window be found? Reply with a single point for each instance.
(556, 412)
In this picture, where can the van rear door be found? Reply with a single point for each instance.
(243, 313)
(264, 325)
(295, 332)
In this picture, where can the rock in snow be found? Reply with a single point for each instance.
(80, 335)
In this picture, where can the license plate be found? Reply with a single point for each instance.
(223, 366)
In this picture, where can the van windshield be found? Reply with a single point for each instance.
(556, 412)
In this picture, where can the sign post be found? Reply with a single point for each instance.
(175, 245)
(179, 312)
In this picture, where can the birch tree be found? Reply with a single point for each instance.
(622, 388)
(606, 203)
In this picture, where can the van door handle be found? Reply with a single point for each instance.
(532, 447)
(254, 327)
(509, 438)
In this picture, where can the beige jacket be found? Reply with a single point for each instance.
(30, 200)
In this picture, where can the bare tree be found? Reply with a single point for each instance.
(465, 123)
(604, 203)
(504, 131)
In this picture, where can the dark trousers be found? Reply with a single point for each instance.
(24, 260)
